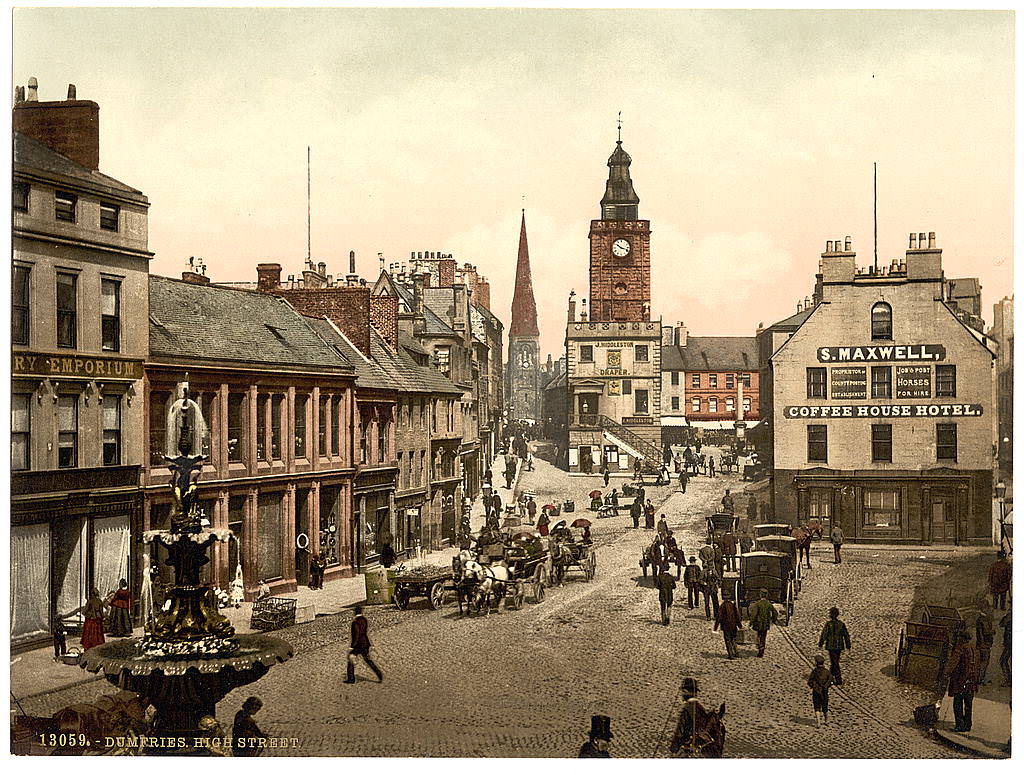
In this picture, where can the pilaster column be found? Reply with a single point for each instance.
(288, 531)
(250, 573)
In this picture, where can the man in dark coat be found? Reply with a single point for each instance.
(711, 466)
(360, 647)
(984, 637)
(728, 506)
(600, 737)
(710, 582)
(607, 475)
(665, 584)
(246, 735)
(834, 638)
(728, 621)
(963, 673)
(729, 550)
(496, 504)
(684, 479)
(820, 680)
(999, 576)
(762, 616)
(635, 511)
(692, 577)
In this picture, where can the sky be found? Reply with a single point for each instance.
(752, 134)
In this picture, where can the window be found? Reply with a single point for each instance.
(881, 381)
(640, 353)
(730, 381)
(236, 439)
(675, 403)
(881, 508)
(713, 405)
(323, 428)
(111, 430)
(65, 204)
(945, 381)
(695, 405)
(261, 426)
(21, 431)
(20, 319)
(627, 387)
(67, 431)
(640, 405)
(945, 441)
(730, 405)
(364, 427)
(746, 404)
(382, 440)
(67, 310)
(817, 443)
(158, 401)
(276, 408)
(819, 503)
(881, 443)
(712, 380)
(19, 196)
(675, 377)
(403, 480)
(109, 215)
(881, 321)
(443, 357)
(586, 353)
(816, 383)
(746, 380)
(301, 407)
(110, 291)
(340, 426)
(695, 380)
(433, 416)
(451, 416)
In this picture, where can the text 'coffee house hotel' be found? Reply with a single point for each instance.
(882, 404)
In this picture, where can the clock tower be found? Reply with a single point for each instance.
(523, 396)
(620, 250)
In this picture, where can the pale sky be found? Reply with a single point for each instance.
(752, 136)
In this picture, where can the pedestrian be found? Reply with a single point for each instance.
(121, 611)
(614, 498)
(762, 616)
(729, 550)
(692, 578)
(834, 638)
(237, 588)
(487, 478)
(665, 584)
(316, 571)
(697, 444)
(962, 671)
(999, 578)
(360, 647)
(662, 527)
(727, 503)
(803, 543)
(387, 551)
(649, 516)
(752, 510)
(247, 739)
(820, 680)
(637, 469)
(543, 521)
(985, 638)
(746, 543)
(729, 622)
(531, 510)
(634, 511)
(600, 738)
(710, 582)
(672, 553)
(60, 642)
(1004, 657)
(836, 537)
(529, 461)
(707, 555)
(711, 466)
(93, 612)
(683, 479)
(607, 475)
(718, 558)
(496, 504)
(586, 539)
(642, 493)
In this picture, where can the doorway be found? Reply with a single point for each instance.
(586, 460)
(943, 519)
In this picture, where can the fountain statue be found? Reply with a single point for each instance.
(190, 656)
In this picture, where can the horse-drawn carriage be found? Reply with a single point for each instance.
(772, 571)
(721, 523)
(930, 639)
(658, 555)
(569, 552)
(772, 529)
(783, 544)
(729, 463)
(487, 578)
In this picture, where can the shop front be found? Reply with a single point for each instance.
(373, 511)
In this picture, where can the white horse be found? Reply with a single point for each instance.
(492, 582)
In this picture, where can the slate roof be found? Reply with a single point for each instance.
(711, 353)
(414, 378)
(794, 321)
(36, 156)
(368, 373)
(435, 326)
(191, 321)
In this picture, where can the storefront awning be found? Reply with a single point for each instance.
(719, 425)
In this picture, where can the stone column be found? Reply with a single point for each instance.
(288, 539)
(248, 548)
(250, 430)
(313, 450)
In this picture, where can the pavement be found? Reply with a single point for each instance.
(523, 683)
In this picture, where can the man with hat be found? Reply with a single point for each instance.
(691, 577)
(728, 621)
(819, 680)
(665, 583)
(762, 616)
(834, 639)
(963, 673)
(600, 737)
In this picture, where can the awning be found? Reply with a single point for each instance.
(673, 422)
(719, 425)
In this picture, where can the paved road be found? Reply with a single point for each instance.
(524, 683)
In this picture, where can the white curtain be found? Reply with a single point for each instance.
(72, 589)
(30, 581)
(110, 553)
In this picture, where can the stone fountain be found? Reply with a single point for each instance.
(190, 656)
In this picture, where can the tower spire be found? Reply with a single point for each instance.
(620, 202)
(524, 307)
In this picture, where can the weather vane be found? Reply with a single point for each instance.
(620, 126)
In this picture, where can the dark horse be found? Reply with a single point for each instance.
(699, 733)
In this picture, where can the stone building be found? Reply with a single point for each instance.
(613, 358)
(523, 369)
(79, 336)
(883, 411)
(1002, 332)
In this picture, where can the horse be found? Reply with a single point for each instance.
(490, 582)
(561, 559)
(699, 733)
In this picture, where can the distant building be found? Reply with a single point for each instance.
(523, 369)
(1002, 332)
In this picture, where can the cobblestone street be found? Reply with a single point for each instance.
(524, 683)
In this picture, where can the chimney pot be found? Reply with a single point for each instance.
(848, 244)
(828, 246)
(19, 94)
(913, 241)
(72, 92)
(33, 89)
(799, 306)
(920, 240)
(322, 268)
(931, 239)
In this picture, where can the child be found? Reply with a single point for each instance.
(60, 643)
(819, 681)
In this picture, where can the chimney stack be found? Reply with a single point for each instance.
(33, 89)
(583, 311)
(572, 306)
(70, 127)
(268, 277)
(848, 244)
(72, 92)
(931, 240)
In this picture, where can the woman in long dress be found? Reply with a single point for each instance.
(121, 611)
(93, 611)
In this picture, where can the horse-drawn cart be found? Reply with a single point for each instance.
(772, 571)
(786, 545)
(931, 639)
(432, 582)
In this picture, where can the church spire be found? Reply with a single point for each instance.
(620, 201)
(524, 308)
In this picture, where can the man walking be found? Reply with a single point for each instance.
(691, 577)
(729, 550)
(727, 503)
(634, 511)
(496, 505)
(820, 680)
(963, 681)
(360, 647)
(834, 638)
(999, 576)
(607, 474)
(711, 466)
(728, 621)
(683, 479)
(531, 510)
(710, 583)
(665, 584)
(662, 527)
(836, 537)
(762, 616)
(985, 637)
(600, 737)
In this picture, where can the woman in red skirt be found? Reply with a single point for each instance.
(121, 611)
(92, 630)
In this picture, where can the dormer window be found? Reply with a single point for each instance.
(881, 321)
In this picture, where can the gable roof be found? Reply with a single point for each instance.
(34, 156)
(711, 353)
(191, 321)
(368, 373)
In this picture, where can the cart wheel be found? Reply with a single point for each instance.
(402, 599)
(437, 595)
(538, 592)
(789, 601)
(901, 661)
(590, 568)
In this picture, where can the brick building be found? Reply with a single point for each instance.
(79, 306)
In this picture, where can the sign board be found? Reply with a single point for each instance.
(849, 382)
(913, 382)
(86, 367)
(881, 353)
(889, 410)
(615, 387)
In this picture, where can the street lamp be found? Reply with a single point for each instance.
(1001, 497)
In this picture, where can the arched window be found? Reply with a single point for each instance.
(881, 321)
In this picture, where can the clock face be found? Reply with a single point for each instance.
(621, 248)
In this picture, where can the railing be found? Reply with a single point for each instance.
(650, 451)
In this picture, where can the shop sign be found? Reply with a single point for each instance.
(913, 382)
(614, 387)
(613, 372)
(899, 352)
(612, 344)
(43, 365)
(887, 410)
(849, 382)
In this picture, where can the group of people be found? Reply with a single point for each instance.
(100, 615)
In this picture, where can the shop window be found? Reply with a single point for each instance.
(19, 196)
(816, 382)
(881, 443)
(158, 400)
(236, 437)
(881, 381)
(945, 441)
(881, 508)
(21, 431)
(695, 405)
(110, 300)
(64, 206)
(21, 321)
(640, 402)
(301, 409)
(945, 381)
(111, 430)
(712, 405)
(330, 520)
(269, 536)
(675, 377)
(109, 216)
(67, 310)
(67, 431)
(881, 321)
(817, 443)
(586, 353)
(641, 353)
(819, 504)
(712, 380)
(695, 380)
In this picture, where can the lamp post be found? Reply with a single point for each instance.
(1001, 497)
